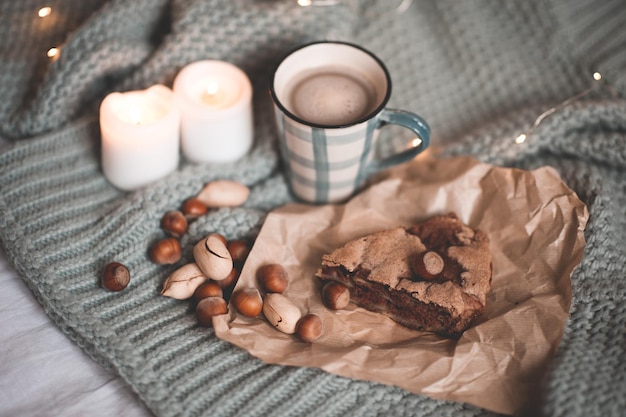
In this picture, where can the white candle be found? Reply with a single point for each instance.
(216, 107)
(140, 136)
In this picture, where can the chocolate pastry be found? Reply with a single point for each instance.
(434, 276)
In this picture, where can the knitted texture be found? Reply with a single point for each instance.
(479, 72)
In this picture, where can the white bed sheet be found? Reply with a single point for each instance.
(42, 372)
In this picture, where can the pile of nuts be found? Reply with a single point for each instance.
(216, 194)
(210, 280)
(277, 308)
(212, 276)
(167, 251)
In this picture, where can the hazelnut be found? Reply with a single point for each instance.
(248, 302)
(335, 295)
(427, 265)
(208, 289)
(239, 251)
(273, 278)
(174, 223)
(281, 312)
(194, 208)
(166, 251)
(208, 308)
(231, 279)
(309, 328)
(115, 276)
(213, 257)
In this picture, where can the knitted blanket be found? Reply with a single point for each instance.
(479, 72)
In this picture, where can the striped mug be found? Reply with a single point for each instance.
(329, 100)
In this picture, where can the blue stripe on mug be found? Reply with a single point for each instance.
(363, 174)
(320, 152)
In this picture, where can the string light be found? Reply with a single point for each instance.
(44, 11)
(53, 52)
(597, 77)
(354, 4)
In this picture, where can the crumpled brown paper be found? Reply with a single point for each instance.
(535, 224)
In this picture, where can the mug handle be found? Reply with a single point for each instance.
(412, 122)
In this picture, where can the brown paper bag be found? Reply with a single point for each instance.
(535, 224)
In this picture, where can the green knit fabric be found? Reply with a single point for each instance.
(480, 72)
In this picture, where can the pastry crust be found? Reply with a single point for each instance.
(378, 271)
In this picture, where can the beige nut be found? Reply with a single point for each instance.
(223, 193)
(182, 283)
(281, 312)
(428, 265)
(213, 258)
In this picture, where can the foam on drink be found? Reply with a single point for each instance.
(331, 97)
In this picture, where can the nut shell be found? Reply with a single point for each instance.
(281, 312)
(248, 302)
(309, 328)
(210, 307)
(208, 289)
(213, 257)
(273, 278)
(194, 208)
(335, 295)
(166, 251)
(182, 283)
(239, 251)
(115, 276)
(231, 279)
(223, 193)
(174, 223)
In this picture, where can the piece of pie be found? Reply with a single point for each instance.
(434, 276)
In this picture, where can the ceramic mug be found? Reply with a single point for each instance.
(330, 102)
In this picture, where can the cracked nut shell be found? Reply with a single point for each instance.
(281, 312)
(213, 258)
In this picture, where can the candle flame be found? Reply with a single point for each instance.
(135, 115)
(212, 88)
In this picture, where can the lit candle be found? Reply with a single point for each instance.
(216, 111)
(140, 136)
